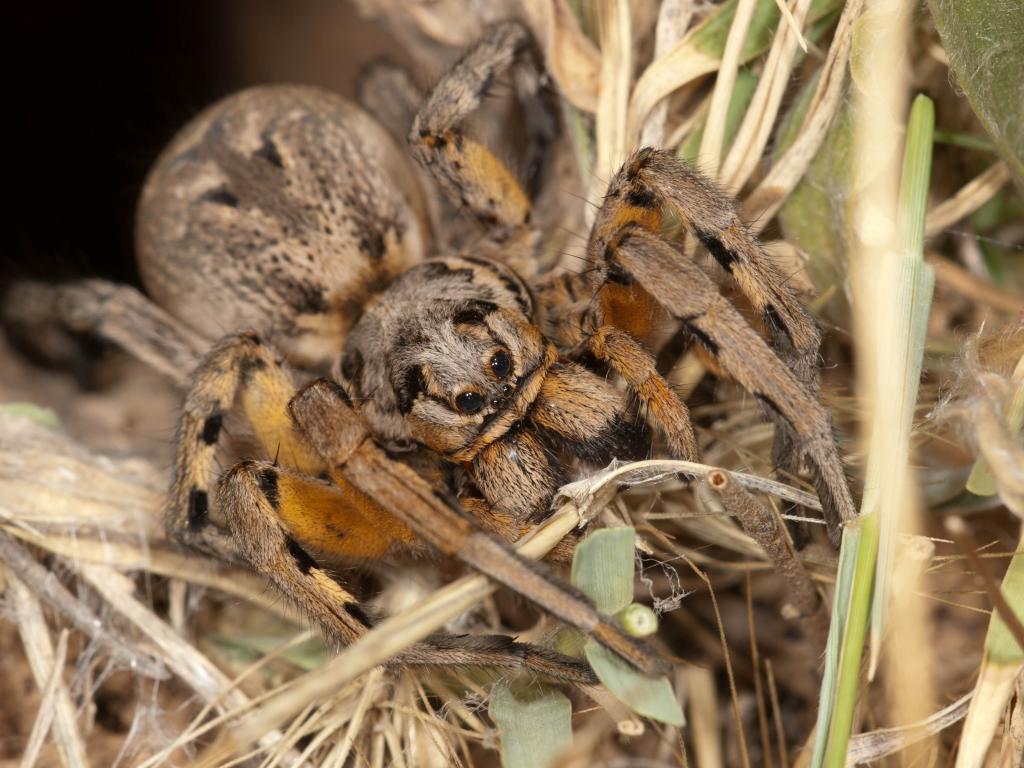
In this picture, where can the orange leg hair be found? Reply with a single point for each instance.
(279, 520)
(636, 366)
(684, 290)
(322, 412)
(468, 172)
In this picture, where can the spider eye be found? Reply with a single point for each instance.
(501, 364)
(469, 402)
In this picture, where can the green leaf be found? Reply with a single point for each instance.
(603, 568)
(984, 40)
(536, 725)
(647, 696)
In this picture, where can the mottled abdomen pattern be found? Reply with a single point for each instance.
(281, 209)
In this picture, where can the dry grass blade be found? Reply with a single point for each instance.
(874, 745)
(572, 59)
(970, 197)
(679, 66)
(597, 490)
(35, 637)
(973, 287)
(730, 675)
(756, 662)
(753, 134)
(710, 154)
(703, 718)
(773, 693)
(182, 657)
(892, 298)
(764, 202)
(202, 724)
(991, 694)
(673, 19)
(341, 751)
(613, 97)
(198, 672)
(48, 705)
(794, 26)
(45, 585)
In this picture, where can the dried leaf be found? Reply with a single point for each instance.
(571, 57)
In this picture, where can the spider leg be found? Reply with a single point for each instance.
(323, 413)
(279, 519)
(260, 499)
(507, 526)
(651, 180)
(117, 313)
(630, 360)
(240, 366)
(684, 290)
(711, 215)
(249, 496)
(468, 172)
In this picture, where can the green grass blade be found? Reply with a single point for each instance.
(852, 647)
(903, 307)
(845, 572)
(914, 281)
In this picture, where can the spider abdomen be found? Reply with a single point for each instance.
(281, 209)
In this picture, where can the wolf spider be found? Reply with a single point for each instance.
(462, 391)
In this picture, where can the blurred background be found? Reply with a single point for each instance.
(100, 88)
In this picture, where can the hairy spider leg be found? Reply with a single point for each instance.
(323, 413)
(651, 180)
(468, 172)
(276, 515)
(655, 180)
(635, 365)
(692, 297)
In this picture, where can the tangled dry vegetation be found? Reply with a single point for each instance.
(121, 650)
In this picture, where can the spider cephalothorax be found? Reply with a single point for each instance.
(291, 211)
(449, 357)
